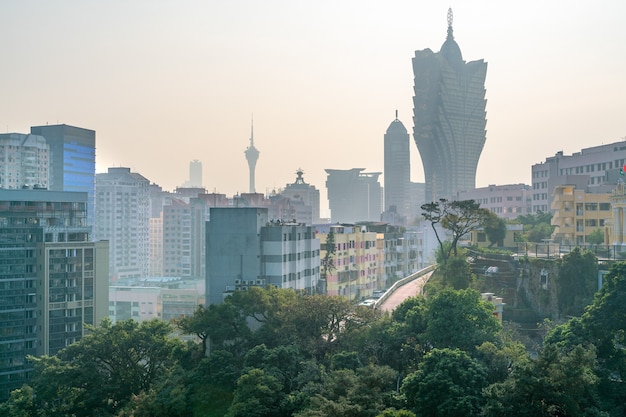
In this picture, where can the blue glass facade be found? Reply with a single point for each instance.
(72, 161)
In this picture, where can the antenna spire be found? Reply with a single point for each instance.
(252, 130)
(396, 114)
(450, 19)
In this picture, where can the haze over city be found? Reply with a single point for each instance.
(164, 83)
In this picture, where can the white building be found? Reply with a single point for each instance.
(599, 164)
(24, 161)
(506, 201)
(245, 249)
(123, 218)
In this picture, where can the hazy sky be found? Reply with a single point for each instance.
(165, 82)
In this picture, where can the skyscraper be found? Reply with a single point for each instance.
(195, 175)
(353, 195)
(252, 155)
(397, 168)
(72, 161)
(123, 202)
(449, 117)
(53, 279)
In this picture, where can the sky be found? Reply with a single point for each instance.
(166, 82)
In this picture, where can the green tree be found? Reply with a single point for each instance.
(555, 384)
(100, 374)
(457, 273)
(602, 328)
(328, 261)
(537, 227)
(460, 319)
(596, 237)
(257, 395)
(458, 217)
(218, 325)
(495, 229)
(447, 383)
(577, 281)
(21, 403)
(364, 392)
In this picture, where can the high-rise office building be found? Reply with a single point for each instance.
(123, 201)
(195, 175)
(252, 155)
(353, 195)
(72, 160)
(449, 117)
(53, 279)
(397, 170)
(24, 161)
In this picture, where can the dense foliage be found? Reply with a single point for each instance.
(277, 353)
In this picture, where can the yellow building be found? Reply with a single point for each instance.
(355, 260)
(577, 213)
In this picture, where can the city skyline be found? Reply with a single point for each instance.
(163, 84)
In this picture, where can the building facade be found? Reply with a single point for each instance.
(397, 169)
(24, 161)
(245, 249)
(598, 165)
(72, 160)
(356, 258)
(353, 195)
(449, 117)
(578, 212)
(303, 195)
(123, 202)
(506, 201)
(51, 277)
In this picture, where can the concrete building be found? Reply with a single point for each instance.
(52, 278)
(449, 117)
(577, 212)
(163, 298)
(397, 170)
(177, 239)
(402, 253)
(245, 249)
(123, 202)
(72, 161)
(506, 201)
(72, 285)
(353, 195)
(598, 165)
(303, 196)
(24, 161)
(356, 260)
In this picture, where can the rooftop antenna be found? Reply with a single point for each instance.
(450, 18)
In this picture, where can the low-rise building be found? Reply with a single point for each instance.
(577, 212)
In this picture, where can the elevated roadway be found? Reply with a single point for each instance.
(406, 287)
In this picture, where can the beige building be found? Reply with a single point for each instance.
(356, 261)
(577, 213)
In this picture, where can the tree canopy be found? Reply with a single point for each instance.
(458, 217)
(308, 356)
